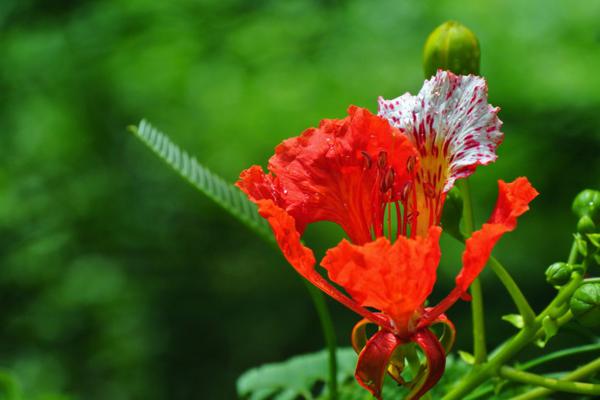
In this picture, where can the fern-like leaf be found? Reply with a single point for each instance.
(224, 194)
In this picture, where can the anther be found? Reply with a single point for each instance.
(429, 190)
(367, 158)
(390, 176)
(405, 191)
(410, 164)
(412, 216)
(382, 159)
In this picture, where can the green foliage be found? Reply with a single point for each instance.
(303, 377)
(299, 376)
(114, 276)
(227, 196)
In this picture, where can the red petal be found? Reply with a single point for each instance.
(302, 258)
(394, 278)
(329, 173)
(373, 361)
(436, 363)
(513, 201)
(288, 238)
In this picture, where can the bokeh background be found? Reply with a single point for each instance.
(120, 281)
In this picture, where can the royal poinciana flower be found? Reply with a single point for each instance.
(384, 183)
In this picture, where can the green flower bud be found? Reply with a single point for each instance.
(452, 47)
(585, 304)
(586, 225)
(452, 213)
(587, 203)
(558, 273)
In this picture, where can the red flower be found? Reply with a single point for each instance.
(350, 172)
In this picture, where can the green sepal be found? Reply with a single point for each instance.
(581, 244)
(585, 304)
(586, 225)
(514, 319)
(550, 328)
(467, 357)
(594, 239)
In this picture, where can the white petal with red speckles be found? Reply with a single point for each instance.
(449, 118)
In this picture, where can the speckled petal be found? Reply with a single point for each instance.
(449, 118)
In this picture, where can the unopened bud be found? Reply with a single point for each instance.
(452, 47)
(558, 273)
(585, 304)
(587, 203)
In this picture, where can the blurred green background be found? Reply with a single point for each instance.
(119, 281)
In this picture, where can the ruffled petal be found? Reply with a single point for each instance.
(436, 363)
(373, 361)
(303, 260)
(513, 201)
(393, 278)
(288, 238)
(341, 171)
(454, 129)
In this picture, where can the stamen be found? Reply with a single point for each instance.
(390, 176)
(382, 159)
(400, 225)
(405, 192)
(410, 164)
(367, 157)
(429, 190)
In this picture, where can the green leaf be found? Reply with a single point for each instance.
(298, 377)
(466, 357)
(515, 319)
(295, 377)
(226, 195)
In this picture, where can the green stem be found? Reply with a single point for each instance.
(559, 354)
(329, 334)
(479, 345)
(511, 286)
(549, 383)
(579, 373)
(514, 345)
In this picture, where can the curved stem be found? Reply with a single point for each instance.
(549, 383)
(329, 334)
(559, 354)
(579, 373)
(513, 289)
(514, 345)
(479, 345)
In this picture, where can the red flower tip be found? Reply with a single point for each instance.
(373, 361)
(513, 201)
(382, 352)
